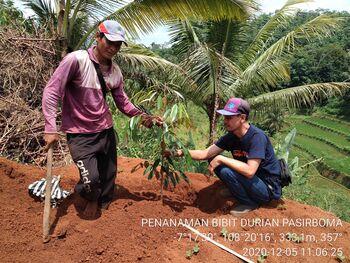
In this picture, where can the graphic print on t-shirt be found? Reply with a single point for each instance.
(240, 155)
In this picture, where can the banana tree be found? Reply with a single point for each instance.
(220, 65)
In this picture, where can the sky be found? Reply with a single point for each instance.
(160, 35)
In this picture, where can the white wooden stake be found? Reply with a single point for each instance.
(217, 244)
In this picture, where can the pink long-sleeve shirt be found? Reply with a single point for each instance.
(76, 84)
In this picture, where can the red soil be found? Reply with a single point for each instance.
(126, 233)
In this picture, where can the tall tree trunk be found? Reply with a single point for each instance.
(61, 40)
(217, 90)
(61, 17)
(214, 120)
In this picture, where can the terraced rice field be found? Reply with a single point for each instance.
(323, 136)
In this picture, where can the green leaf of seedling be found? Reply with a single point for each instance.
(178, 144)
(166, 182)
(171, 162)
(165, 128)
(183, 175)
(261, 258)
(299, 239)
(187, 156)
(165, 168)
(155, 164)
(167, 136)
(147, 170)
(188, 253)
(340, 257)
(224, 232)
(150, 175)
(166, 114)
(195, 249)
(294, 238)
(133, 122)
(172, 178)
(173, 113)
(159, 103)
(177, 177)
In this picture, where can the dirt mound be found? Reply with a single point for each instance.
(137, 227)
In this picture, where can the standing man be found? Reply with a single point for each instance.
(253, 174)
(86, 118)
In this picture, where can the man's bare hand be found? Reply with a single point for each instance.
(167, 153)
(149, 120)
(173, 153)
(214, 163)
(50, 139)
(157, 120)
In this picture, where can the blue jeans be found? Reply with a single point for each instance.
(248, 191)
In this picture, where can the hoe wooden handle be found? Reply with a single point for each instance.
(47, 207)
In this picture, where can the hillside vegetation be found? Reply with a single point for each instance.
(325, 184)
(321, 135)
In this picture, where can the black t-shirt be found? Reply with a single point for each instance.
(255, 144)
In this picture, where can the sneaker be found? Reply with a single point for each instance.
(225, 193)
(242, 209)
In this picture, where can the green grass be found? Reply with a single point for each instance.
(334, 118)
(332, 156)
(317, 132)
(199, 127)
(314, 189)
(303, 156)
(318, 148)
(340, 126)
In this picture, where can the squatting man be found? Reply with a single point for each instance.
(252, 176)
(86, 118)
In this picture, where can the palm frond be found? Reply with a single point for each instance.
(44, 10)
(183, 36)
(66, 19)
(262, 79)
(137, 57)
(203, 67)
(276, 56)
(99, 9)
(280, 19)
(94, 9)
(318, 28)
(145, 15)
(297, 97)
(135, 17)
(225, 36)
(153, 87)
